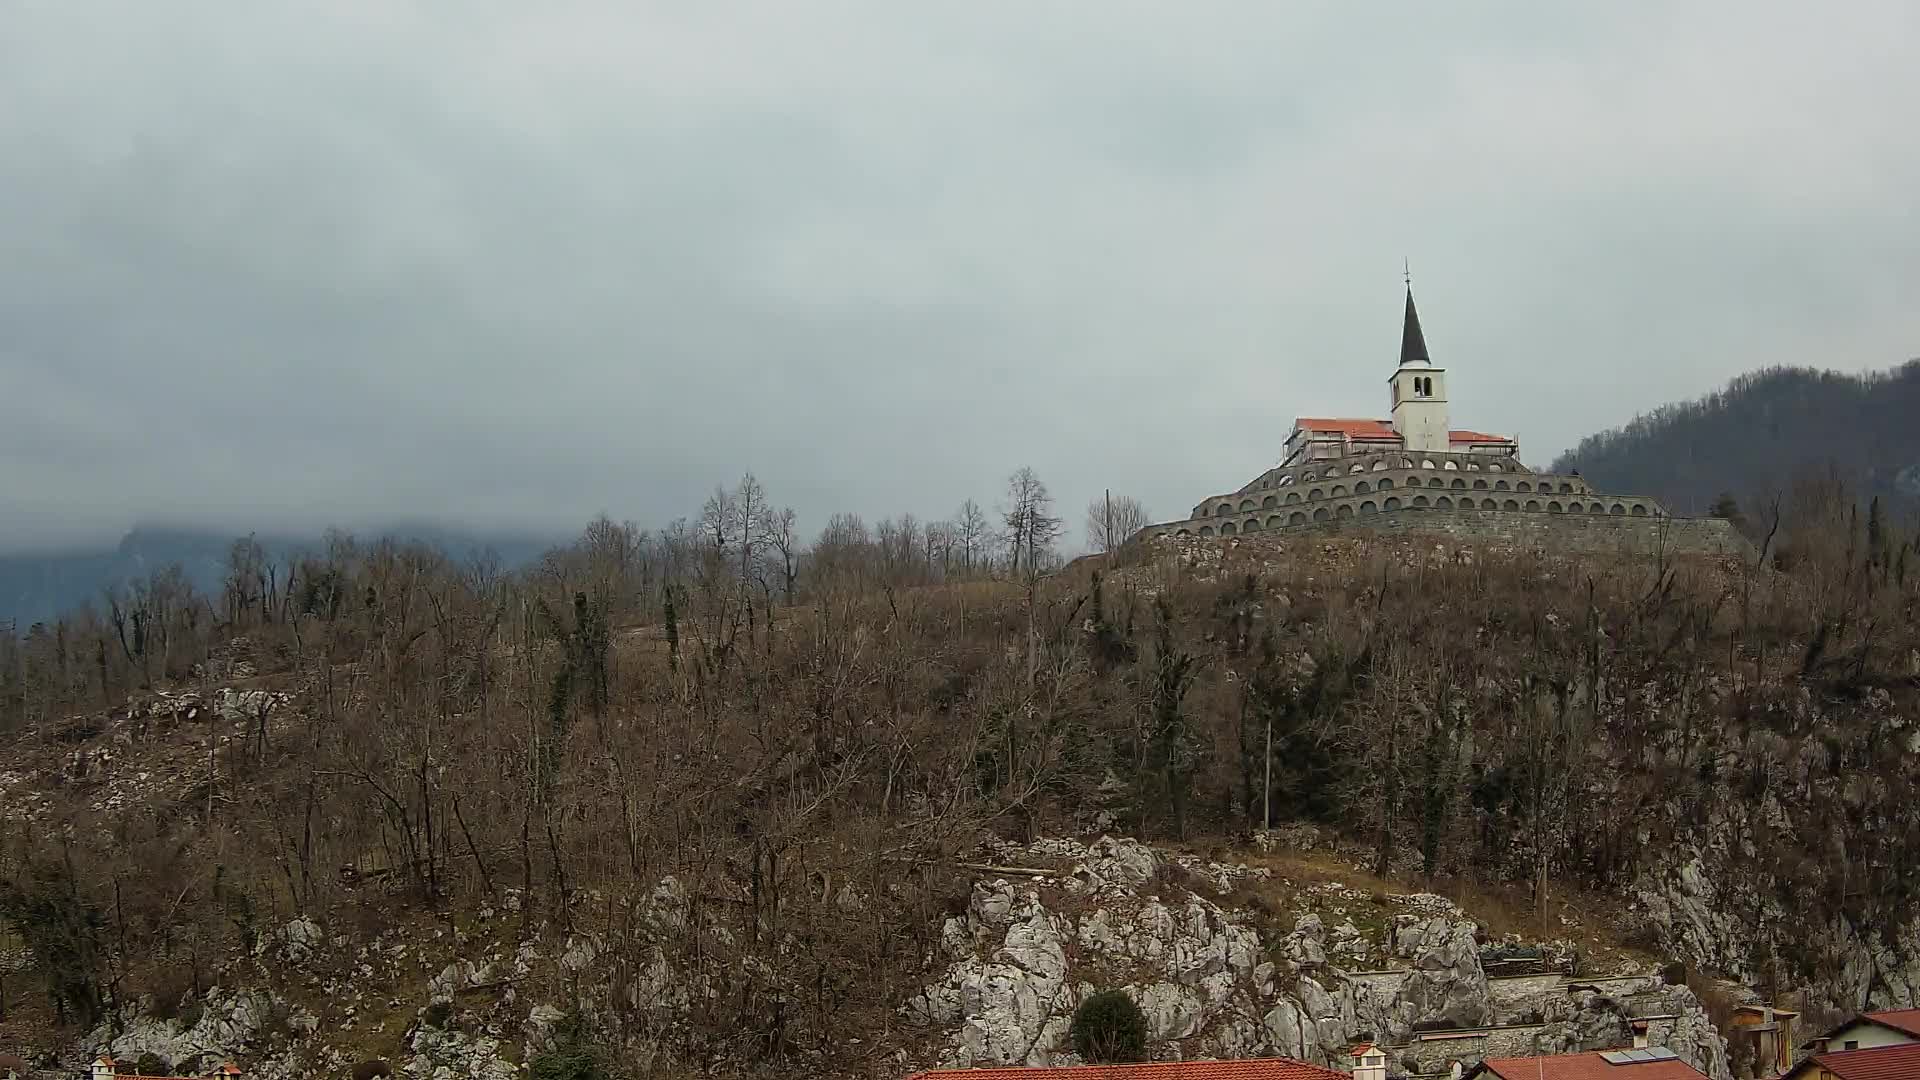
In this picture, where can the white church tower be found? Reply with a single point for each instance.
(1419, 391)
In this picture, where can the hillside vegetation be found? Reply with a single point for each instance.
(753, 775)
(1763, 433)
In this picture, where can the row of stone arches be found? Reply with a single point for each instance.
(1252, 503)
(1419, 502)
(1384, 462)
(1381, 464)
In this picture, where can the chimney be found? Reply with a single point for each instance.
(1369, 1062)
(1640, 1039)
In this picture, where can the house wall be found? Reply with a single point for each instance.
(1868, 1036)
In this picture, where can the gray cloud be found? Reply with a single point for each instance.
(515, 264)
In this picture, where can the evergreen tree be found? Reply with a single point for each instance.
(1109, 1029)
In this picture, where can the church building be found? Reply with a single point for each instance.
(1413, 470)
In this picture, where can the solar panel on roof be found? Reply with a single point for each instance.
(1638, 1056)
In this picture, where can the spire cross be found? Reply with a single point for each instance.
(1409, 273)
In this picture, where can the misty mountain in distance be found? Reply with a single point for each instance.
(36, 586)
(1764, 430)
(1752, 439)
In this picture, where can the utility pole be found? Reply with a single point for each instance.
(1266, 784)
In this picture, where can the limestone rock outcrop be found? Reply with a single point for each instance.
(1024, 954)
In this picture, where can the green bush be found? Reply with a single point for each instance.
(152, 1064)
(572, 1057)
(1109, 1029)
(438, 1014)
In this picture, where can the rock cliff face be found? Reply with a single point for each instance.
(1799, 859)
(1024, 954)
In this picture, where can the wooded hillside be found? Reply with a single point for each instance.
(778, 729)
(1762, 433)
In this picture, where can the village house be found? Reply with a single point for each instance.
(105, 1068)
(1645, 1063)
(1892, 1027)
(1897, 1062)
(1872, 1046)
(1251, 1069)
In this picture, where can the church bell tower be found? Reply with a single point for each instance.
(1419, 391)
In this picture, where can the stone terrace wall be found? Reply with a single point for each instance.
(1559, 532)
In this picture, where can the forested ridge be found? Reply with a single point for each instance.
(795, 744)
(1754, 439)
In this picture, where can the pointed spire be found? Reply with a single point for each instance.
(1413, 344)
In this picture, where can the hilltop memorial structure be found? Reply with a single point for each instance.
(1416, 472)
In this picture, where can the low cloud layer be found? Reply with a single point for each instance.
(274, 265)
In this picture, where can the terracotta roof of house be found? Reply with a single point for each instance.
(1901, 1062)
(1251, 1069)
(1475, 436)
(1587, 1066)
(1907, 1020)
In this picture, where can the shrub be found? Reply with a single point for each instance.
(369, 1070)
(572, 1056)
(152, 1064)
(1109, 1028)
(438, 1014)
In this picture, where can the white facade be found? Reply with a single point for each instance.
(1420, 408)
(1867, 1036)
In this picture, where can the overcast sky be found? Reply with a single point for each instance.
(267, 265)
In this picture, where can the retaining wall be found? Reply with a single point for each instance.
(1594, 533)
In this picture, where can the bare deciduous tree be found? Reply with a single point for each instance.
(1031, 527)
(778, 533)
(1112, 519)
(971, 534)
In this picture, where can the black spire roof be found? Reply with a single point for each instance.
(1413, 344)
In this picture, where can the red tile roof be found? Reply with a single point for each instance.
(1900, 1062)
(1362, 429)
(1907, 1020)
(1351, 427)
(1252, 1069)
(229, 1069)
(1588, 1066)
